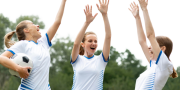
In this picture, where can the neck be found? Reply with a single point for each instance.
(88, 54)
(31, 38)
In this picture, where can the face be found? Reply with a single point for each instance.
(151, 53)
(33, 30)
(90, 44)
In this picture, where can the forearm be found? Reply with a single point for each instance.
(60, 12)
(6, 62)
(107, 26)
(81, 34)
(140, 32)
(148, 24)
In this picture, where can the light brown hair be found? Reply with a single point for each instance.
(165, 41)
(81, 49)
(19, 32)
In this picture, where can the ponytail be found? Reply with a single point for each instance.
(81, 50)
(174, 74)
(7, 39)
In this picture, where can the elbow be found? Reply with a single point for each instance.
(76, 44)
(150, 35)
(142, 42)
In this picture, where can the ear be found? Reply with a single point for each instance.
(82, 44)
(163, 48)
(26, 30)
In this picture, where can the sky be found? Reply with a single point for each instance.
(164, 15)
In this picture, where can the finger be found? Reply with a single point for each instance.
(87, 8)
(134, 4)
(147, 2)
(131, 6)
(84, 11)
(97, 6)
(91, 8)
(95, 15)
(129, 9)
(100, 1)
(107, 3)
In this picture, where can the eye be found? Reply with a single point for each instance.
(90, 41)
(95, 41)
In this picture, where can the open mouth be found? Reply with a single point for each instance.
(93, 48)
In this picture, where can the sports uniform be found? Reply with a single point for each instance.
(157, 75)
(88, 72)
(39, 53)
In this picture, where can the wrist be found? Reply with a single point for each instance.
(18, 68)
(144, 9)
(137, 17)
(104, 14)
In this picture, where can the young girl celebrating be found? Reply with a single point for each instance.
(32, 44)
(88, 68)
(155, 77)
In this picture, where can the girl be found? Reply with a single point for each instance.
(155, 77)
(35, 46)
(89, 69)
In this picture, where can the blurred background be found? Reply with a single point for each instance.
(127, 60)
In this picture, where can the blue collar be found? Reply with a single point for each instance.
(89, 57)
(33, 41)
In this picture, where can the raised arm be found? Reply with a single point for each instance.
(103, 8)
(149, 28)
(89, 19)
(52, 30)
(141, 36)
(6, 62)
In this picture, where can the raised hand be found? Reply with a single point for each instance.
(88, 13)
(143, 4)
(134, 9)
(103, 6)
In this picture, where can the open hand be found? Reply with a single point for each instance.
(134, 9)
(143, 4)
(88, 13)
(103, 6)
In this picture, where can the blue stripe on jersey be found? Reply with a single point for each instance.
(104, 59)
(158, 57)
(25, 87)
(149, 84)
(89, 58)
(100, 82)
(74, 61)
(50, 44)
(150, 63)
(10, 51)
(74, 76)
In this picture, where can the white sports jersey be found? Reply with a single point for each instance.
(88, 72)
(157, 75)
(39, 53)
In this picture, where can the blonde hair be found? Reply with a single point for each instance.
(19, 32)
(81, 49)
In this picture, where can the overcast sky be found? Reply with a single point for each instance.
(164, 15)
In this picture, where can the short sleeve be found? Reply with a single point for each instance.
(45, 40)
(102, 60)
(18, 47)
(164, 63)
